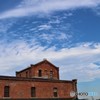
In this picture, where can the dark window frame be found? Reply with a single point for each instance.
(39, 73)
(6, 91)
(26, 73)
(55, 92)
(51, 74)
(33, 92)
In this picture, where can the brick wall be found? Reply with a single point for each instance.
(44, 89)
(46, 70)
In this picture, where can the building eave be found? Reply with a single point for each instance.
(13, 78)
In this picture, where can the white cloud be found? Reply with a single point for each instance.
(76, 62)
(29, 7)
(52, 37)
(44, 27)
(97, 10)
(63, 36)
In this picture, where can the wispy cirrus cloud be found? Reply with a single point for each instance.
(76, 62)
(97, 10)
(5, 25)
(53, 36)
(44, 27)
(30, 7)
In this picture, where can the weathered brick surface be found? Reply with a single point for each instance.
(33, 70)
(44, 89)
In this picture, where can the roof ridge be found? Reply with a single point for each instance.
(31, 65)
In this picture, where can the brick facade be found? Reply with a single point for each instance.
(47, 69)
(47, 85)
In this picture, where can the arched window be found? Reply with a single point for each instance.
(51, 74)
(55, 92)
(26, 74)
(6, 91)
(33, 92)
(40, 73)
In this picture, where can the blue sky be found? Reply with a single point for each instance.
(66, 32)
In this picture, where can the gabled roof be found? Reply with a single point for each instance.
(44, 61)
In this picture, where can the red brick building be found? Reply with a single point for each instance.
(39, 81)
